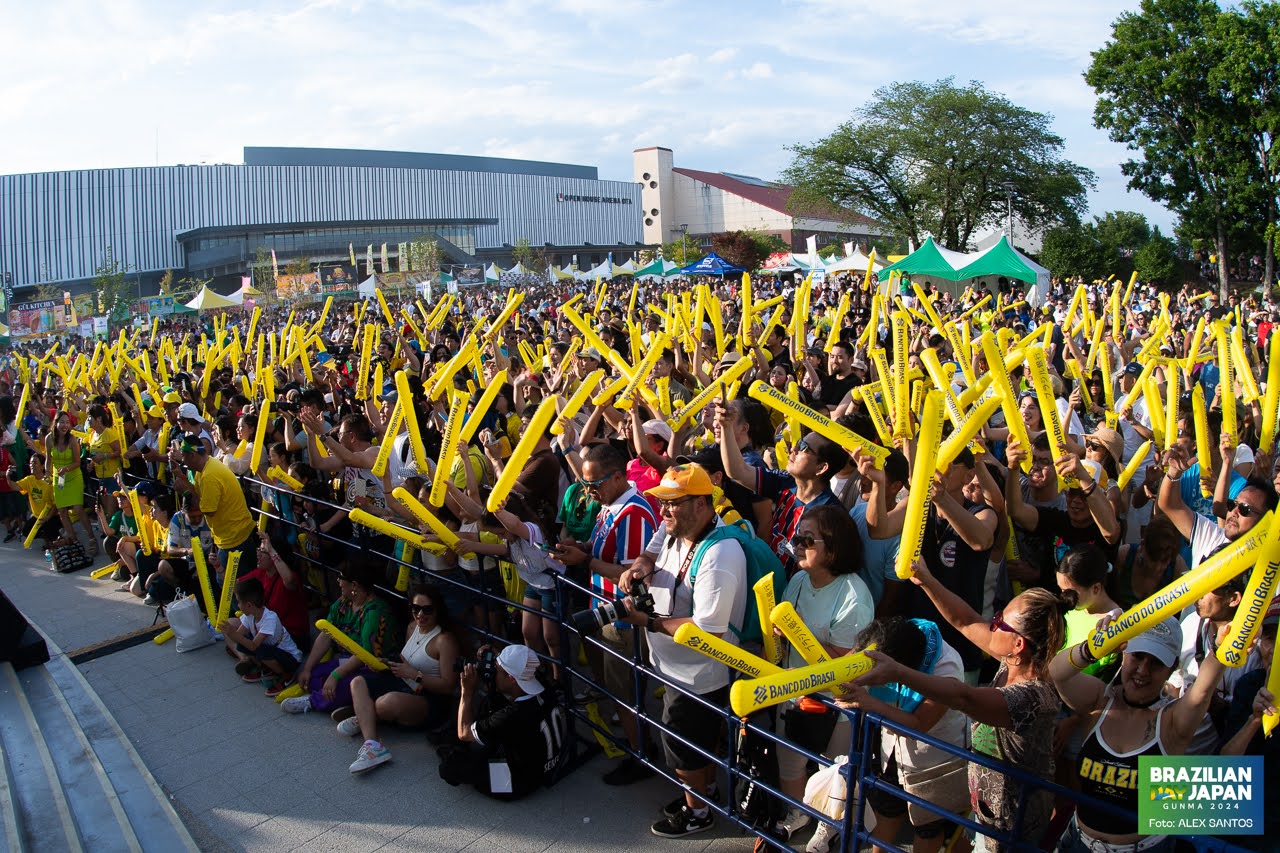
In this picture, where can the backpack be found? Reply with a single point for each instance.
(758, 759)
(761, 561)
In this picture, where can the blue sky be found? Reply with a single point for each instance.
(726, 85)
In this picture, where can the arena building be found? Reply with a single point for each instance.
(211, 221)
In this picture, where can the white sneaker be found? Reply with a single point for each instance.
(795, 821)
(822, 838)
(296, 705)
(349, 727)
(370, 756)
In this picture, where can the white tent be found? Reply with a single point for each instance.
(493, 273)
(207, 300)
(856, 262)
(368, 286)
(602, 270)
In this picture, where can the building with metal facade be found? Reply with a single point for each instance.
(58, 227)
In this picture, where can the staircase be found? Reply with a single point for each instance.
(69, 778)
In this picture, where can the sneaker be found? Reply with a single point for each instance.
(349, 727)
(296, 705)
(277, 686)
(587, 695)
(684, 823)
(120, 574)
(248, 667)
(252, 677)
(673, 808)
(370, 756)
(346, 712)
(795, 821)
(628, 771)
(822, 838)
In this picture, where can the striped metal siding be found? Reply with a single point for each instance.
(57, 226)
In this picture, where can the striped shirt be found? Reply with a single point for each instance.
(780, 487)
(622, 530)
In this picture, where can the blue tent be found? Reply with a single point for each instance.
(712, 264)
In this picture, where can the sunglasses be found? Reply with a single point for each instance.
(801, 540)
(802, 446)
(670, 505)
(1244, 509)
(998, 624)
(424, 609)
(591, 484)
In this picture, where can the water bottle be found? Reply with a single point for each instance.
(48, 555)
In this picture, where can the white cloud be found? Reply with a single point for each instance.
(722, 55)
(758, 71)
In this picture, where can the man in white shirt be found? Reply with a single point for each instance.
(705, 584)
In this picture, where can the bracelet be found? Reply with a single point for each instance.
(1088, 493)
(334, 675)
(1081, 656)
(1174, 477)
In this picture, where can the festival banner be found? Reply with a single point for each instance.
(297, 286)
(44, 317)
(468, 276)
(338, 276)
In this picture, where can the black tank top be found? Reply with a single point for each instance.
(1111, 777)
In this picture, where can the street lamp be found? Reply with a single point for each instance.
(684, 232)
(1009, 187)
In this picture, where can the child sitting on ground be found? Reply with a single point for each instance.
(258, 640)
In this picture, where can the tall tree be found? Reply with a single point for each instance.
(111, 288)
(1157, 260)
(1157, 93)
(1122, 232)
(940, 159)
(1071, 252)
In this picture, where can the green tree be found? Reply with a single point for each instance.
(1072, 252)
(1122, 232)
(1160, 92)
(297, 266)
(687, 250)
(1157, 260)
(109, 285)
(524, 253)
(935, 158)
(263, 275)
(166, 283)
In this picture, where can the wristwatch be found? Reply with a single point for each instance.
(651, 625)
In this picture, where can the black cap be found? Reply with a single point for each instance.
(708, 459)
(1133, 369)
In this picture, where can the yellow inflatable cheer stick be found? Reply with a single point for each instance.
(537, 428)
(1039, 370)
(366, 356)
(1172, 390)
(259, 436)
(689, 411)
(748, 695)
(645, 367)
(99, 574)
(427, 517)
(576, 401)
(26, 397)
(1139, 386)
(228, 588)
(1200, 417)
(933, 367)
(472, 424)
(387, 528)
(609, 391)
(1132, 468)
(448, 448)
(202, 574)
(138, 520)
(1270, 398)
(1229, 424)
(388, 440)
(35, 528)
(774, 399)
(339, 637)
(722, 651)
(923, 468)
(763, 590)
(278, 473)
(961, 437)
(1257, 598)
(1209, 575)
(902, 412)
(410, 415)
(788, 621)
(1009, 400)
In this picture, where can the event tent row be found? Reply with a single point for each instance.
(946, 269)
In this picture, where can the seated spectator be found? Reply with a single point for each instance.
(257, 640)
(417, 689)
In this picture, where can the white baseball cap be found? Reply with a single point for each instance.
(190, 412)
(521, 663)
(1163, 641)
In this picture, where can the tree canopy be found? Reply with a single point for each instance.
(935, 158)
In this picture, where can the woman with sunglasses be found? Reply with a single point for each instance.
(418, 686)
(1106, 447)
(62, 449)
(1014, 719)
(836, 605)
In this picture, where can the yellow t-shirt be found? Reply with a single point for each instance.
(39, 493)
(111, 443)
(223, 504)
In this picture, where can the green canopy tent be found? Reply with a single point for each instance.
(1003, 261)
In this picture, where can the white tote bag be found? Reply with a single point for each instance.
(190, 628)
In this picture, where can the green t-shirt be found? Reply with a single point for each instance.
(1081, 625)
(578, 513)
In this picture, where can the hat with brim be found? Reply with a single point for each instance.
(658, 427)
(591, 352)
(521, 664)
(191, 443)
(188, 411)
(681, 481)
(1163, 641)
(1111, 440)
(156, 411)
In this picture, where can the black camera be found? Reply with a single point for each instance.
(486, 662)
(286, 406)
(591, 620)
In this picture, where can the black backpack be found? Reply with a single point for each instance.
(758, 758)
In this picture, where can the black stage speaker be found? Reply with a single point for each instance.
(20, 644)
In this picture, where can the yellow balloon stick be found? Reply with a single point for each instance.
(339, 637)
(626, 397)
(512, 304)
(929, 358)
(774, 399)
(763, 590)
(388, 439)
(491, 392)
(366, 356)
(1155, 408)
(228, 588)
(788, 621)
(1270, 398)
(1009, 400)
(898, 322)
(1127, 401)
(837, 321)
(748, 695)
(139, 521)
(278, 473)
(537, 428)
(1172, 389)
(690, 410)
(1245, 371)
(608, 391)
(1259, 591)
(202, 573)
(260, 436)
(963, 435)
(1039, 374)
(1227, 380)
(25, 398)
(386, 310)
(35, 528)
(1134, 462)
(410, 415)
(387, 528)
(875, 412)
(448, 448)
(1169, 601)
(576, 401)
(663, 386)
(444, 379)
(723, 651)
(1204, 449)
(923, 468)
(447, 537)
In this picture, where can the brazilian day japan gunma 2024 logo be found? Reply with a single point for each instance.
(1200, 795)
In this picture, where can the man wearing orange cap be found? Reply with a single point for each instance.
(708, 587)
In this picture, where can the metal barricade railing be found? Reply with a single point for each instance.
(860, 772)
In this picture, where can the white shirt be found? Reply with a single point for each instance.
(270, 625)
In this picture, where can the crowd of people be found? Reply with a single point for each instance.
(662, 483)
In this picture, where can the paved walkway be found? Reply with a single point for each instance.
(247, 777)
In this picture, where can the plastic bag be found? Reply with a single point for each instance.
(826, 790)
(190, 629)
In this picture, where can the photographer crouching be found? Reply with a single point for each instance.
(511, 726)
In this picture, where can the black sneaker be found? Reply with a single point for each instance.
(628, 771)
(673, 808)
(684, 823)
